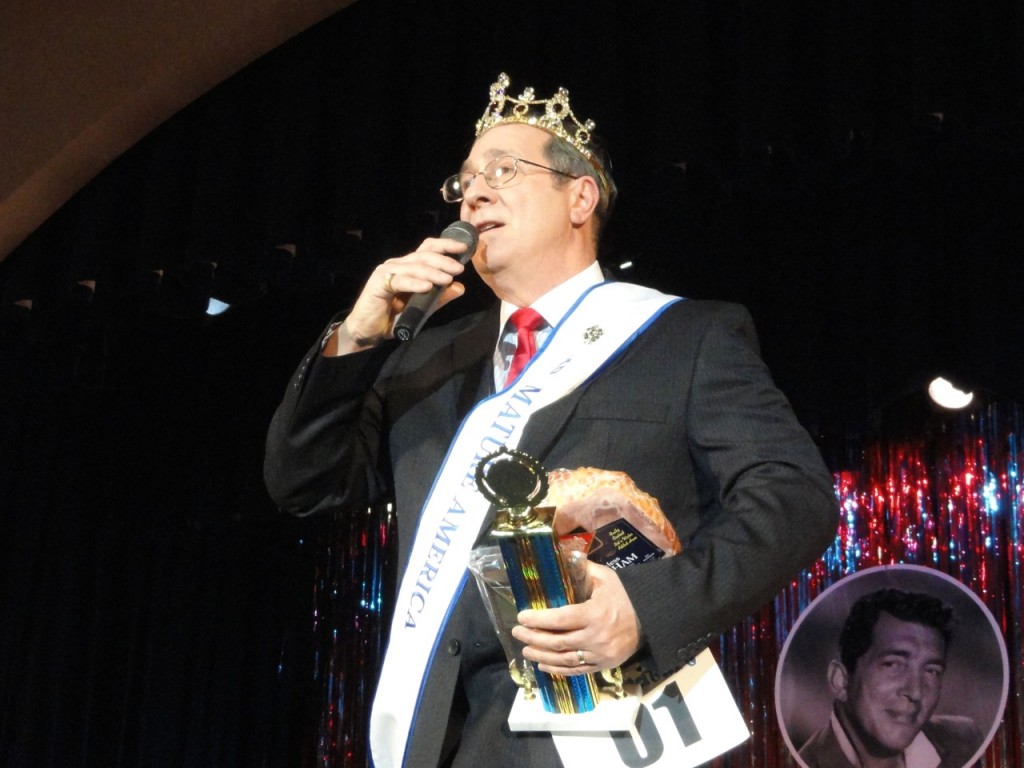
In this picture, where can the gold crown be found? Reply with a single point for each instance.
(556, 116)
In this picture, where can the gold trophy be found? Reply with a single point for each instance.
(537, 574)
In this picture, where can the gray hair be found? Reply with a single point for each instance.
(565, 158)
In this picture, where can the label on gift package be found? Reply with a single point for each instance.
(619, 545)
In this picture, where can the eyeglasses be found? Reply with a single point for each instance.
(497, 173)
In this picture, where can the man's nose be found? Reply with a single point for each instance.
(913, 684)
(477, 191)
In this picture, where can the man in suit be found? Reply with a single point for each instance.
(678, 398)
(886, 685)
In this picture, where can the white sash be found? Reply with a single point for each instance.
(602, 323)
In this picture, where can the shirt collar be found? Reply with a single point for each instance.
(554, 304)
(844, 741)
(920, 754)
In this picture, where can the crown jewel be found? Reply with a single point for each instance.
(556, 116)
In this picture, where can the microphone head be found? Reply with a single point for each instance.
(466, 233)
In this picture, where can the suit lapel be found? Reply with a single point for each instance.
(547, 424)
(471, 356)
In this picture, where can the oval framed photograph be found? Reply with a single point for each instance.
(889, 660)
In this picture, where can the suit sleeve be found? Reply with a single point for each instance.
(767, 504)
(324, 443)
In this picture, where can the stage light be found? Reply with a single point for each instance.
(217, 307)
(945, 394)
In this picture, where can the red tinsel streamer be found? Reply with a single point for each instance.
(355, 580)
(950, 499)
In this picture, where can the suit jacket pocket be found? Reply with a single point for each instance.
(627, 435)
(633, 409)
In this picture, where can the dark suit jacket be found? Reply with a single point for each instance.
(956, 739)
(688, 410)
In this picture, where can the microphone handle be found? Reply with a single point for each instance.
(413, 317)
(421, 305)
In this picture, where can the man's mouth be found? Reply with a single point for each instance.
(487, 227)
(903, 718)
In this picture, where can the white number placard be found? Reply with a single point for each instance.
(688, 719)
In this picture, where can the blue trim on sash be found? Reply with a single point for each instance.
(426, 673)
(615, 355)
(554, 332)
(611, 357)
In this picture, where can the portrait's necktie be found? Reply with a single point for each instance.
(526, 322)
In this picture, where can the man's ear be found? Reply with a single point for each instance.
(585, 201)
(838, 679)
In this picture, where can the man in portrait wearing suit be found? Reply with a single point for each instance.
(886, 685)
(671, 392)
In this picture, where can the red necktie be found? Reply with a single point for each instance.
(526, 321)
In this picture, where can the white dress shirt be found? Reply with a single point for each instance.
(552, 306)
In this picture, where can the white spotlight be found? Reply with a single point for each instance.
(946, 395)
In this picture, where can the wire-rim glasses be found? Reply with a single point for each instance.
(497, 173)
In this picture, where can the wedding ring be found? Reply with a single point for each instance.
(579, 655)
(387, 282)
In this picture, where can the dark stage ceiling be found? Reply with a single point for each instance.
(849, 171)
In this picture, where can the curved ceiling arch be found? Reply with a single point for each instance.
(80, 83)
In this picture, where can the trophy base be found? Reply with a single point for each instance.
(610, 714)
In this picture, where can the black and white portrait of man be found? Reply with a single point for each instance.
(873, 674)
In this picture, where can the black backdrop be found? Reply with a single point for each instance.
(849, 171)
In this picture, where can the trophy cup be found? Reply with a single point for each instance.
(537, 574)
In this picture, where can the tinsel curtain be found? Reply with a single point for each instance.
(949, 498)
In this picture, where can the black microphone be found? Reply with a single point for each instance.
(421, 304)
